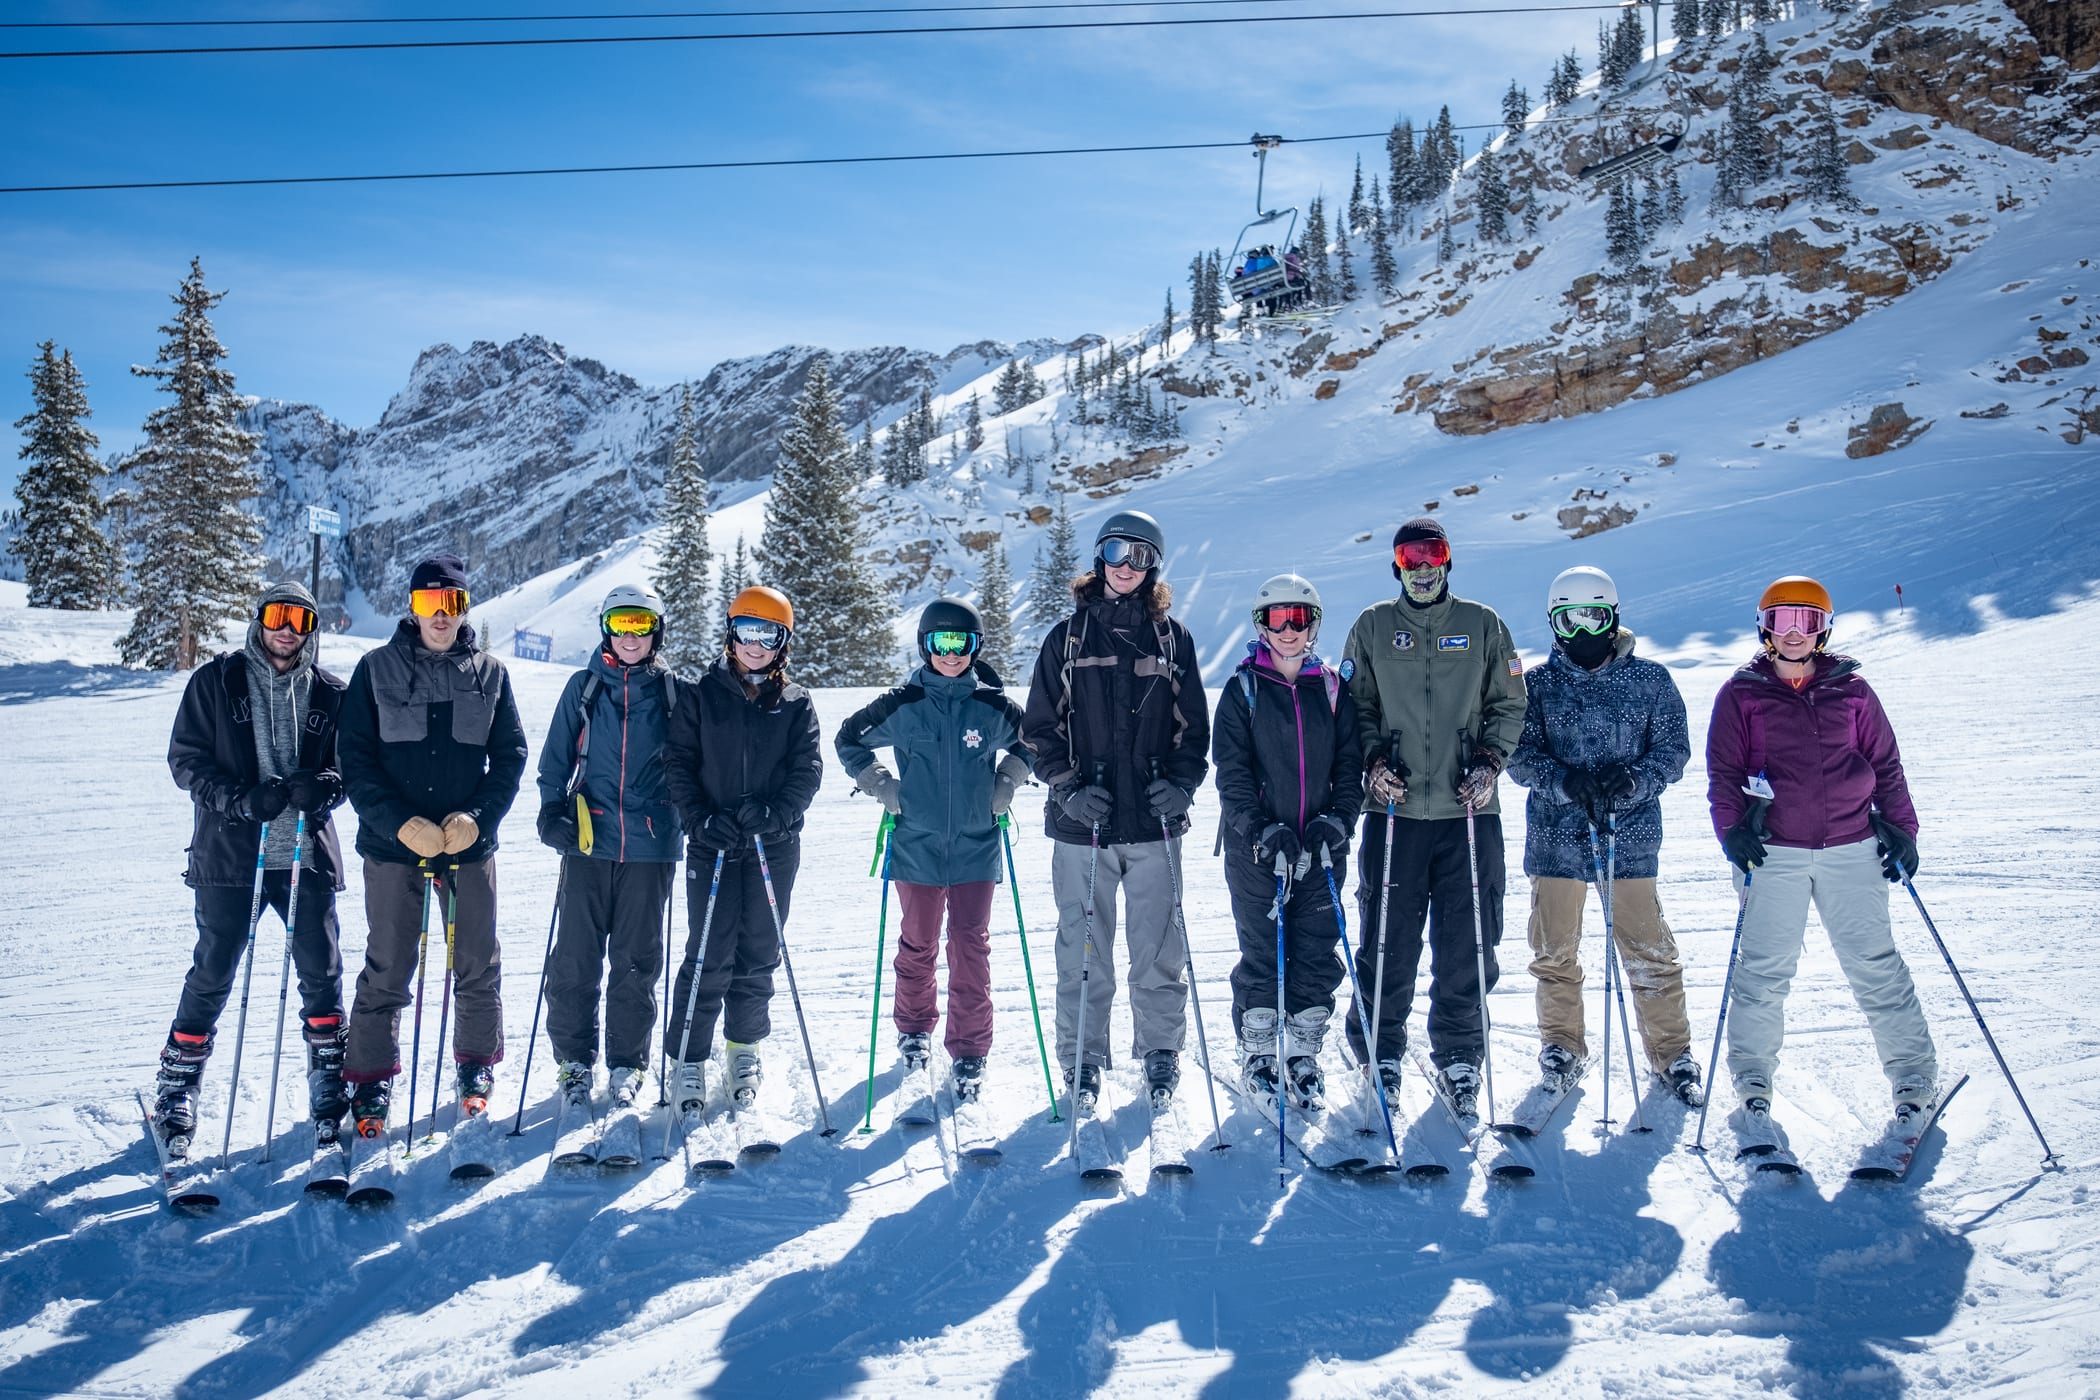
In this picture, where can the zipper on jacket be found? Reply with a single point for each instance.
(1298, 713)
(626, 704)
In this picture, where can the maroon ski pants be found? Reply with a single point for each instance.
(917, 1008)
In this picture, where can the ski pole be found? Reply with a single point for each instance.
(284, 978)
(1086, 971)
(882, 924)
(663, 1042)
(262, 844)
(692, 995)
(437, 1075)
(1614, 966)
(1760, 792)
(1188, 955)
(1013, 881)
(1487, 1044)
(809, 1052)
(415, 1050)
(1356, 989)
(1385, 890)
(1283, 1076)
(561, 880)
(2048, 1156)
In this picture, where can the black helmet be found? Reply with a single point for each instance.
(947, 615)
(1132, 525)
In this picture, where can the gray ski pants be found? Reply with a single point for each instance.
(1158, 955)
(1852, 899)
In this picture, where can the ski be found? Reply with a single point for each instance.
(1761, 1144)
(328, 1168)
(619, 1144)
(1536, 1109)
(1319, 1146)
(182, 1185)
(475, 1148)
(575, 1143)
(756, 1131)
(371, 1171)
(1407, 1133)
(707, 1147)
(1889, 1158)
(915, 1098)
(1505, 1165)
(1097, 1165)
(975, 1139)
(1168, 1143)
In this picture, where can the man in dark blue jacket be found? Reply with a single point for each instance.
(605, 806)
(254, 746)
(432, 756)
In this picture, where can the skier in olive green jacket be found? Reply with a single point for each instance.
(1439, 693)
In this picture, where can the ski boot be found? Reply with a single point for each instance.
(1459, 1083)
(572, 1080)
(1260, 1079)
(368, 1106)
(745, 1072)
(1390, 1077)
(624, 1083)
(1304, 1034)
(327, 1039)
(916, 1047)
(1683, 1078)
(175, 1102)
(1162, 1077)
(1556, 1063)
(1914, 1095)
(689, 1085)
(476, 1081)
(1088, 1091)
(966, 1077)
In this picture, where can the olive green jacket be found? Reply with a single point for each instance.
(1428, 673)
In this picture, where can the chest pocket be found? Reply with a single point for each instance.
(404, 717)
(473, 710)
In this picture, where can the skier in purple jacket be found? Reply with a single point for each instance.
(1838, 824)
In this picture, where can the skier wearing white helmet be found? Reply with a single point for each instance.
(604, 805)
(1604, 734)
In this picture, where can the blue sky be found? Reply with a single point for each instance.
(335, 289)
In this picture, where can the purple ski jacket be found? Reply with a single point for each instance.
(1827, 749)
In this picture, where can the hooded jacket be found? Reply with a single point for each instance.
(947, 733)
(211, 752)
(1117, 688)
(426, 734)
(1626, 711)
(728, 744)
(623, 774)
(1283, 754)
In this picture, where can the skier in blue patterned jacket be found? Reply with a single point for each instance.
(1604, 734)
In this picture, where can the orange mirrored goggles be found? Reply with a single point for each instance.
(279, 615)
(1422, 554)
(429, 602)
(632, 622)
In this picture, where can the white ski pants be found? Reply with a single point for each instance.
(1852, 899)
(1158, 992)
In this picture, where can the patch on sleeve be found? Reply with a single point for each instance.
(1403, 640)
(1516, 664)
(1461, 642)
(1347, 670)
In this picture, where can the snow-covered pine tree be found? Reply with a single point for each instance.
(973, 424)
(1651, 210)
(1446, 250)
(1447, 157)
(1745, 163)
(1622, 226)
(1011, 390)
(1684, 21)
(1822, 168)
(1166, 326)
(1385, 272)
(1611, 57)
(995, 601)
(736, 577)
(903, 461)
(1673, 197)
(1213, 297)
(1838, 7)
(1763, 11)
(196, 568)
(1319, 273)
(1516, 106)
(1359, 215)
(1345, 267)
(67, 558)
(1629, 39)
(1713, 17)
(683, 559)
(1758, 64)
(1402, 178)
(815, 549)
(1056, 565)
(1199, 321)
(1570, 75)
(1491, 198)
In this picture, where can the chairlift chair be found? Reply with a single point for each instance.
(1264, 286)
(1614, 168)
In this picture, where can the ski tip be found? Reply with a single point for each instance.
(714, 1166)
(1515, 1130)
(1512, 1171)
(369, 1198)
(1876, 1174)
(1101, 1176)
(331, 1190)
(473, 1171)
(984, 1156)
(1427, 1172)
(1174, 1171)
(759, 1151)
(193, 1203)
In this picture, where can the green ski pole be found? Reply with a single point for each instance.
(1013, 881)
(880, 864)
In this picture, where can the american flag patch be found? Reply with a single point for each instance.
(1516, 664)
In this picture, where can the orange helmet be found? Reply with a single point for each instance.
(767, 604)
(1795, 588)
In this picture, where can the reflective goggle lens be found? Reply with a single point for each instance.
(1422, 554)
(1809, 621)
(632, 622)
(1129, 554)
(952, 643)
(1578, 618)
(277, 615)
(1288, 617)
(758, 632)
(429, 602)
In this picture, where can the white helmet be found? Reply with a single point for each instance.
(630, 595)
(1582, 586)
(1286, 588)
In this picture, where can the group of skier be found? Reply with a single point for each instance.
(1396, 748)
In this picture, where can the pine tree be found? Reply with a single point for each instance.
(1651, 211)
(1713, 18)
(1824, 173)
(1319, 273)
(1491, 198)
(196, 568)
(815, 548)
(1385, 272)
(995, 600)
(1447, 152)
(903, 456)
(1166, 326)
(1516, 106)
(1570, 75)
(1011, 391)
(67, 557)
(1684, 21)
(1359, 215)
(1612, 66)
(1445, 249)
(1345, 263)
(973, 424)
(1214, 297)
(1622, 226)
(1402, 177)
(1759, 62)
(1745, 163)
(683, 559)
(1056, 565)
(1763, 11)
(1628, 39)
(1673, 198)
(864, 452)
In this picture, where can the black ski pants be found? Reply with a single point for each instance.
(394, 942)
(743, 948)
(615, 909)
(1309, 944)
(222, 936)
(1432, 883)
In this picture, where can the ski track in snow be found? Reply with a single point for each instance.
(1628, 1266)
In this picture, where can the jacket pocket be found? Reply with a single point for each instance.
(473, 715)
(403, 719)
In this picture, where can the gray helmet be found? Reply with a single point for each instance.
(1132, 525)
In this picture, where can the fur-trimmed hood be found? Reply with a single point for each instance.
(1089, 588)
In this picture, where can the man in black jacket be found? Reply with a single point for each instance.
(254, 746)
(432, 755)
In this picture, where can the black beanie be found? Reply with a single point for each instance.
(439, 571)
(1422, 527)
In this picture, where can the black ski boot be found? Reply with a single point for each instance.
(1460, 1084)
(327, 1041)
(1303, 1035)
(1683, 1078)
(476, 1082)
(916, 1047)
(1162, 1077)
(175, 1102)
(1391, 1076)
(1089, 1091)
(966, 1077)
(1308, 1085)
(368, 1106)
(1557, 1063)
(1258, 1081)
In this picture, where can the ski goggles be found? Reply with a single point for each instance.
(1422, 554)
(632, 622)
(757, 632)
(274, 616)
(429, 602)
(953, 643)
(1575, 619)
(1117, 552)
(1804, 618)
(1286, 617)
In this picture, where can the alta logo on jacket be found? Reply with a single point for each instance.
(972, 738)
(1462, 642)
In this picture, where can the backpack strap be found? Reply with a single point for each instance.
(592, 684)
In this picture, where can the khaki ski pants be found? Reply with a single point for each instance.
(1647, 958)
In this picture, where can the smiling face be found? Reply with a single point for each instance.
(1122, 580)
(950, 666)
(282, 644)
(1287, 645)
(439, 631)
(753, 658)
(631, 651)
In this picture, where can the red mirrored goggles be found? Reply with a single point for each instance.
(275, 616)
(1422, 554)
(429, 602)
(1287, 617)
(1786, 618)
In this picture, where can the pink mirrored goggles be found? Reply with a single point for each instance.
(1794, 617)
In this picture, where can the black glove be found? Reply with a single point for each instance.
(262, 802)
(1087, 805)
(1617, 783)
(558, 825)
(1327, 830)
(1745, 841)
(1275, 840)
(1897, 848)
(316, 790)
(1583, 787)
(754, 818)
(1169, 800)
(718, 831)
